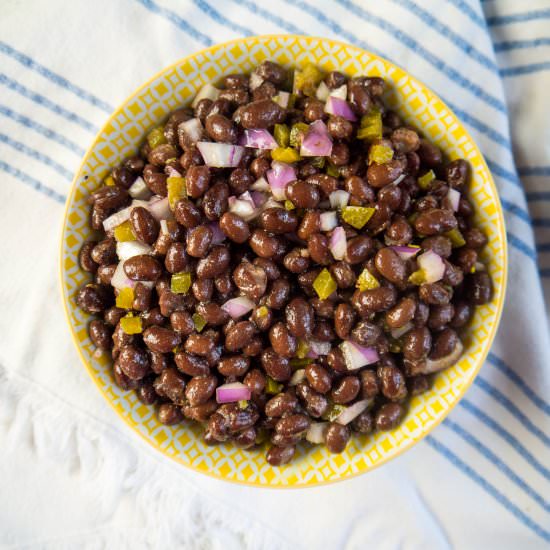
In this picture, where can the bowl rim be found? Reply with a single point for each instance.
(486, 346)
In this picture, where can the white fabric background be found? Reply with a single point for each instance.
(74, 477)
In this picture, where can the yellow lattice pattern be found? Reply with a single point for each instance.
(175, 87)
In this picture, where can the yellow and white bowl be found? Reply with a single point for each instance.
(175, 87)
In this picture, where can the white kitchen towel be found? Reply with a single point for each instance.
(73, 476)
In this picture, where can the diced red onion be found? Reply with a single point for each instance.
(339, 107)
(129, 249)
(272, 203)
(318, 347)
(329, 221)
(341, 92)
(319, 127)
(405, 252)
(338, 244)
(316, 432)
(255, 81)
(432, 266)
(233, 392)
(317, 142)
(144, 203)
(193, 128)
(259, 198)
(282, 98)
(258, 139)
(298, 376)
(246, 196)
(218, 236)
(398, 332)
(356, 356)
(353, 411)
(123, 215)
(171, 172)
(245, 209)
(280, 175)
(260, 185)
(339, 199)
(322, 92)
(160, 208)
(206, 92)
(237, 307)
(114, 220)
(452, 200)
(119, 280)
(139, 189)
(399, 179)
(220, 155)
(480, 267)
(164, 227)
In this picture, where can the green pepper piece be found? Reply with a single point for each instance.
(367, 281)
(272, 387)
(318, 162)
(285, 154)
(456, 237)
(198, 321)
(180, 282)
(425, 180)
(297, 363)
(176, 190)
(371, 126)
(125, 298)
(307, 79)
(131, 325)
(156, 137)
(332, 170)
(417, 278)
(334, 412)
(282, 135)
(297, 133)
(380, 154)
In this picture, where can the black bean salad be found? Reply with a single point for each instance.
(285, 260)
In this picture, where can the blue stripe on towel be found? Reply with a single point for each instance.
(499, 364)
(521, 44)
(30, 63)
(37, 155)
(180, 22)
(521, 70)
(446, 32)
(406, 39)
(487, 487)
(497, 463)
(506, 435)
(46, 132)
(498, 396)
(34, 183)
(47, 103)
(534, 15)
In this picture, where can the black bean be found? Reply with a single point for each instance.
(299, 318)
(100, 334)
(479, 288)
(283, 342)
(261, 114)
(337, 437)
(144, 225)
(161, 339)
(389, 416)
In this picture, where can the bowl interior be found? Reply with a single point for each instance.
(174, 87)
